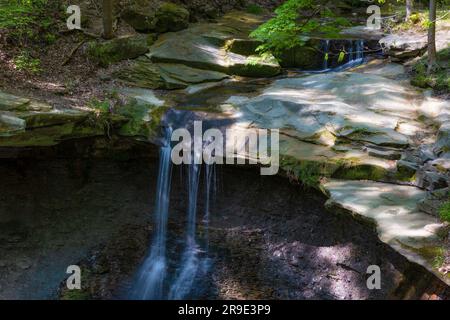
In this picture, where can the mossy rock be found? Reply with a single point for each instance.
(37, 120)
(306, 57)
(144, 120)
(245, 47)
(115, 50)
(361, 172)
(144, 17)
(171, 17)
(257, 66)
(140, 17)
(406, 171)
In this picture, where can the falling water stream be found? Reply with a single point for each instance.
(326, 48)
(151, 277)
(153, 281)
(354, 50)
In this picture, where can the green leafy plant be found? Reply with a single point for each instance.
(254, 9)
(101, 107)
(25, 62)
(294, 21)
(444, 211)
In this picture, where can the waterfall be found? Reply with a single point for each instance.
(360, 50)
(354, 51)
(355, 54)
(326, 57)
(351, 52)
(150, 283)
(189, 262)
(153, 282)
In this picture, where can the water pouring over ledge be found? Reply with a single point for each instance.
(151, 278)
(353, 55)
(153, 281)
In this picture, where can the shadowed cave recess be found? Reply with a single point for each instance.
(265, 238)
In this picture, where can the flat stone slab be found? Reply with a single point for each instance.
(394, 210)
(351, 106)
(409, 45)
(143, 96)
(203, 46)
(378, 67)
(189, 75)
(362, 32)
(145, 74)
(9, 102)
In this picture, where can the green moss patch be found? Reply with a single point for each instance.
(113, 51)
(444, 211)
(439, 80)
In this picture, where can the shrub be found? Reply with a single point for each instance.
(444, 211)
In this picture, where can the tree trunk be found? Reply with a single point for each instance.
(432, 37)
(409, 7)
(108, 18)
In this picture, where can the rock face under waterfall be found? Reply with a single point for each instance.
(261, 247)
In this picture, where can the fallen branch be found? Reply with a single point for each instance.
(73, 52)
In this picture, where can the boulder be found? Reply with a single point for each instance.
(10, 125)
(143, 16)
(404, 46)
(431, 179)
(171, 17)
(115, 50)
(384, 153)
(140, 15)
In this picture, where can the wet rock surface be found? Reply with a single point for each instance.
(203, 46)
